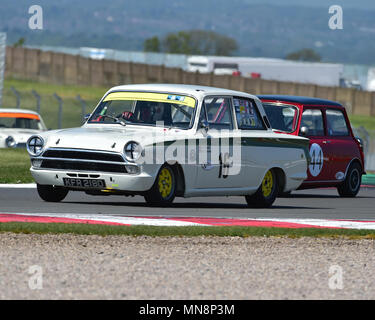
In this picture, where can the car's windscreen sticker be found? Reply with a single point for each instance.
(148, 96)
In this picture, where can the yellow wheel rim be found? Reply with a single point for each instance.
(267, 184)
(165, 182)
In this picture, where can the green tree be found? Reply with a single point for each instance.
(19, 43)
(199, 42)
(304, 55)
(151, 45)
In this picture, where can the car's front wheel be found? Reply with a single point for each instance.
(52, 193)
(163, 191)
(352, 183)
(267, 192)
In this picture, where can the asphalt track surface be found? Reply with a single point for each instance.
(304, 204)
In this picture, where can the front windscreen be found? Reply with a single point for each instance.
(21, 121)
(149, 109)
(282, 117)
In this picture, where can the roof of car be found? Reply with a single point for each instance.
(301, 100)
(14, 110)
(180, 88)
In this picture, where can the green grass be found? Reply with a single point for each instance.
(49, 105)
(105, 230)
(14, 166)
(365, 121)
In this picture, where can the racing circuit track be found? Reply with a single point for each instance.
(304, 204)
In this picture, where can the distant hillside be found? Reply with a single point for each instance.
(269, 28)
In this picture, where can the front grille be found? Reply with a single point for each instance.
(83, 166)
(83, 155)
(82, 160)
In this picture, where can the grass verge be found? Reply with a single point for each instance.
(105, 230)
(14, 166)
(365, 121)
(71, 115)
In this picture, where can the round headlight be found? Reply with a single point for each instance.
(10, 142)
(35, 145)
(132, 151)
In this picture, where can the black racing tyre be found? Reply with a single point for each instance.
(52, 193)
(267, 192)
(163, 191)
(352, 183)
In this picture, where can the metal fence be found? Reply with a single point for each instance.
(52, 108)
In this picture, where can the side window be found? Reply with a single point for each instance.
(247, 115)
(202, 115)
(219, 114)
(313, 120)
(336, 123)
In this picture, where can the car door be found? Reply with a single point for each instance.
(312, 126)
(215, 146)
(342, 147)
(249, 123)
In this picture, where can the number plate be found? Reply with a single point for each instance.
(84, 183)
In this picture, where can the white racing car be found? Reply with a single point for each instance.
(17, 125)
(163, 141)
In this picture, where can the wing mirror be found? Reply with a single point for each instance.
(203, 124)
(360, 142)
(86, 117)
(303, 131)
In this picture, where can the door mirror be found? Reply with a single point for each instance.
(303, 131)
(203, 124)
(86, 117)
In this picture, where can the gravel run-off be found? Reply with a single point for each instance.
(120, 267)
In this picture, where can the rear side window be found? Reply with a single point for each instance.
(312, 119)
(247, 115)
(336, 123)
(219, 113)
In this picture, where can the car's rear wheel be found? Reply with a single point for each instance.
(52, 193)
(163, 191)
(267, 192)
(352, 183)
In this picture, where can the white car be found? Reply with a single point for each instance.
(17, 125)
(163, 141)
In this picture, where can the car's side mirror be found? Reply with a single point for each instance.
(86, 117)
(303, 131)
(360, 142)
(203, 124)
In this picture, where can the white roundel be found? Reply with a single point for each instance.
(316, 164)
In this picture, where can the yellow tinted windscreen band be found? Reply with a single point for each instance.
(148, 96)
